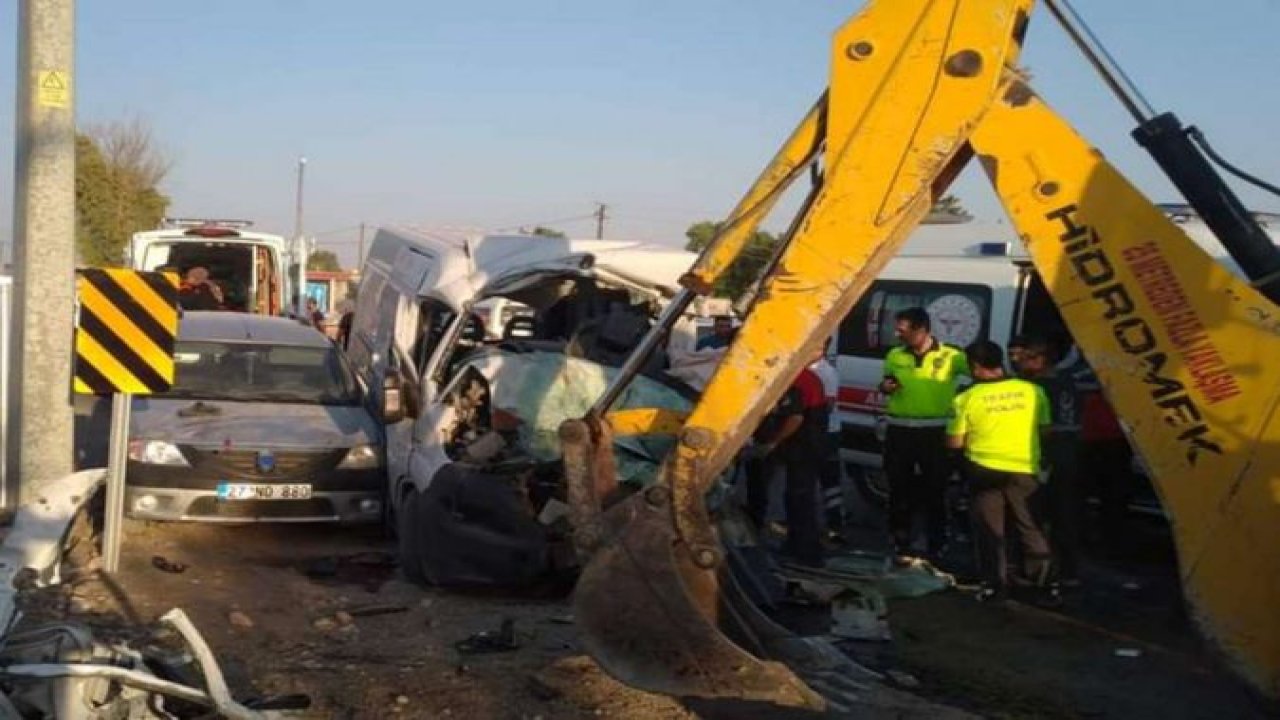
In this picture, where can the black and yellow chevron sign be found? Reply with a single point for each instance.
(124, 335)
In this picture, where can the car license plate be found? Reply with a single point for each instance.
(251, 491)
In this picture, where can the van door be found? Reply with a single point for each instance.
(401, 315)
(437, 325)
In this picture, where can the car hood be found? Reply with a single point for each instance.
(210, 422)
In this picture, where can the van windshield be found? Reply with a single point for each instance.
(262, 373)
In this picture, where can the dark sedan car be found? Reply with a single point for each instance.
(265, 422)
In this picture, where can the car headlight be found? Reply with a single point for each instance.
(361, 457)
(156, 452)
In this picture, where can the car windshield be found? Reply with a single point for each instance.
(263, 373)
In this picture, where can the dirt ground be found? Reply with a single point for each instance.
(1121, 647)
(271, 602)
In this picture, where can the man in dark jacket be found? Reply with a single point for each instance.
(792, 437)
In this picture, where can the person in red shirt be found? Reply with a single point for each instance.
(793, 437)
(199, 292)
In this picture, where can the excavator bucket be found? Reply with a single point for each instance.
(656, 621)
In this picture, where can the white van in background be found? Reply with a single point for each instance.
(976, 281)
(258, 273)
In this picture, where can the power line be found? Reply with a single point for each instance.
(519, 226)
(335, 231)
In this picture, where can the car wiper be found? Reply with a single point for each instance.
(200, 408)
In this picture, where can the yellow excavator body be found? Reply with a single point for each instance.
(917, 89)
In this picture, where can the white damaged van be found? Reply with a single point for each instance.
(471, 410)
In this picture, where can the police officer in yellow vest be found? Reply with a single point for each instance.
(998, 422)
(920, 378)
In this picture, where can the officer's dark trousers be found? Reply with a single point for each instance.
(829, 475)
(1109, 466)
(909, 494)
(1065, 503)
(1000, 497)
(800, 500)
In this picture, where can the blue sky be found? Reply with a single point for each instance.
(498, 113)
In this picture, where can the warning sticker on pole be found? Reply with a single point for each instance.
(53, 89)
(125, 330)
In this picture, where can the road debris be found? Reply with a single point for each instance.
(542, 689)
(902, 679)
(239, 619)
(860, 616)
(374, 610)
(370, 570)
(490, 641)
(164, 565)
(1128, 652)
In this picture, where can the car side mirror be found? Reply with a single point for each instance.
(393, 410)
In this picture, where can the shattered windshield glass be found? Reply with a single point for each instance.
(544, 389)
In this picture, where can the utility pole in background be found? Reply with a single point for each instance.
(600, 218)
(41, 417)
(299, 242)
(297, 204)
(360, 249)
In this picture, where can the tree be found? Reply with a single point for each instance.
(746, 268)
(323, 260)
(948, 210)
(547, 232)
(118, 171)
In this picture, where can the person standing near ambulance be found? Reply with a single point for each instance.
(998, 423)
(829, 472)
(920, 379)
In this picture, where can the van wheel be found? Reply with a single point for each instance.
(872, 484)
(410, 556)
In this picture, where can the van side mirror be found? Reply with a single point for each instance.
(392, 400)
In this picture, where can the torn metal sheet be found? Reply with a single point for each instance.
(35, 542)
(58, 669)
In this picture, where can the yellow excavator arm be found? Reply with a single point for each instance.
(1181, 346)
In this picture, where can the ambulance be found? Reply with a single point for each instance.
(258, 272)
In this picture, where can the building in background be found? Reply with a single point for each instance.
(332, 290)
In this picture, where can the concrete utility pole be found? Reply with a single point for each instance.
(600, 218)
(297, 206)
(42, 420)
(299, 242)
